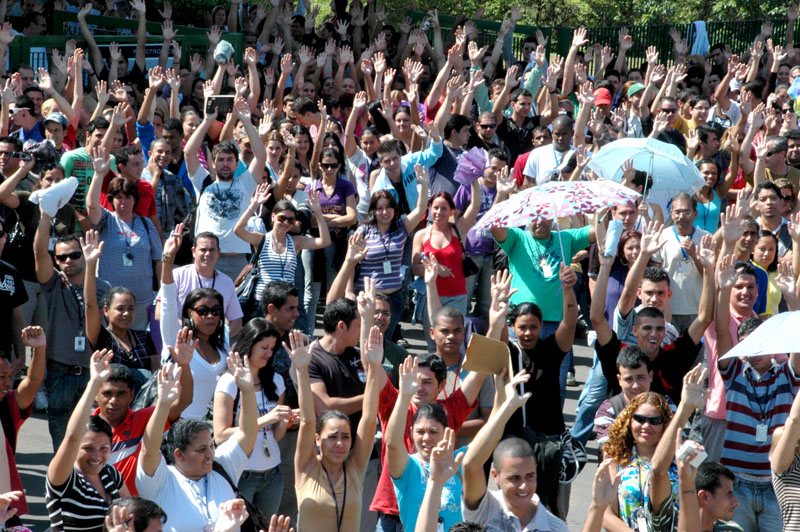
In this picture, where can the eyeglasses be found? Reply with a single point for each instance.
(787, 198)
(75, 255)
(205, 311)
(787, 110)
(287, 219)
(329, 166)
(653, 420)
(669, 111)
(386, 313)
(487, 126)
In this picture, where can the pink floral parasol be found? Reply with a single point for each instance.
(556, 199)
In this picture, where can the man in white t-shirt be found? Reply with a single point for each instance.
(202, 273)
(543, 161)
(225, 200)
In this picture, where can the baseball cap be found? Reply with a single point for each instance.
(602, 96)
(57, 118)
(633, 89)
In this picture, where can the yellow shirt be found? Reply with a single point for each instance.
(316, 509)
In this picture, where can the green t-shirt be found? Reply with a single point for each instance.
(535, 282)
(78, 163)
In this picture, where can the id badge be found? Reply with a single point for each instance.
(440, 525)
(641, 524)
(761, 433)
(80, 344)
(547, 271)
(127, 261)
(208, 528)
(51, 243)
(387, 267)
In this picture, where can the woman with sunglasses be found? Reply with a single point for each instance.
(131, 347)
(131, 244)
(278, 249)
(203, 312)
(641, 444)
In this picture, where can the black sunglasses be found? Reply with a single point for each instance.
(204, 311)
(668, 111)
(329, 166)
(787, 198)
(487, 126)
(653, 420)
(75, 255)
(288, 219)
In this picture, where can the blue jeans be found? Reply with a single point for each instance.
(593, 394)
(397, 301)
(263, 488)
(758, 508)
(301, 322)
(63, 393)
(479, 285)
(388, 524)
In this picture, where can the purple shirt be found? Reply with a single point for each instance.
(479, 242)
(335, 204)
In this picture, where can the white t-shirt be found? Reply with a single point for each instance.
(493, 513)
(686, 281)
(192, 504)
(727, 118)
(187, 279)
(265, 455)
(358, 165)
(542, 162)
(220, 206)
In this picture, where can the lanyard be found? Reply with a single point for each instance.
(386, 243)
(678, 238)
(339, 516)
(455, 379)
(203, 501)
(81, 304)
(213, 279)
(282, 258)
(762, 408)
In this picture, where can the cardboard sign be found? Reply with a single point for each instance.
(485, 355)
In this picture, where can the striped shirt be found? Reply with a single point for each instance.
(787, 490)
(77, 506)
(752, 400)
(273, 266)
(381, 248)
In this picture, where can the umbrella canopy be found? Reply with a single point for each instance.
(770, 338)
(556, 199)
(671, 170)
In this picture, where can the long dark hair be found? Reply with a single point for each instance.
(373, 205)
(217, 340)
(256, 330)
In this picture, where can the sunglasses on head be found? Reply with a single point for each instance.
(329, 166)
(204, 311)
(75, 255)
(288, 219)
(653, 420)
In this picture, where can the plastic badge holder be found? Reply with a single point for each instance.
(688, 450)
(613, 234)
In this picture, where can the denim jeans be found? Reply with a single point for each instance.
(302, 322)
(388, 523)
(263, 488)
(309, 298)
(758, 508)
(397, 300)
(480, 285)
(63, 393)
(593, 394)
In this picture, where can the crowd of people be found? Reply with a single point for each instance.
(174, 233)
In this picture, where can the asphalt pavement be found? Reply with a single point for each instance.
(35, 449)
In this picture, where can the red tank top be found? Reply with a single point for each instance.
(451, 257)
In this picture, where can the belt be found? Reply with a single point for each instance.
(65, 369)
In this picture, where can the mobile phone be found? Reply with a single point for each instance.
(222, 104)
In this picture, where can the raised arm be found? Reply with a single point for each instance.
(92, 250)
(604, 493)
(169, 389)
(396, 453)
(467, 219)
(34, 338)
(101, 163)
(415, 216)
(300, 355)
(61, 467)
(195, 142)
(578, 39)
(597, 308)
(443, 466)
(253, 238)
(652, 242)
(565, 333)
(248, 416)
(784, 440)
(479, 451)
(376, 379)
(693, 396)
(688, 504)
(705, 311)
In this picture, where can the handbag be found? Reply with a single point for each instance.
(246, 283)
(256, 520)
(469, 266)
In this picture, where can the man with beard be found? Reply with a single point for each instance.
(223, 202)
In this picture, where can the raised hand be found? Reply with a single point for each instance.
(375, 345)
(785, 280)
(118, 520)
(241, 109)
(169, 383)
(726, 273)
(156, 77)
(432, 269)
(706, 253)
(166, 13)
(286, 64)
(185, 344)
(729, 221)
(120, 115)
(173, 79)
(651, 55)
(567, 276)
(512, 79)
(693, 393)
(605, 486)
(298, 349)
(139, 5)
(100, 161)
(512, 390)
(280, 523)
(167, 30)
(173, 243)
(356, 247)
(241, 371)
(214, 36)
(33, 337)
(422, 174)
(579, 38)
(232, 514)
(410, 379)
(100, 365)
(366, 298)
(443, 464)
(91, 245)
(501, 292)
(652, 240)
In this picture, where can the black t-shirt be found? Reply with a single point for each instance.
(444, 170)
(343, 375)
(517, 140)
(543, 411)
(669, 367)
(12, 295)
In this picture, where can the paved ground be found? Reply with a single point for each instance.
(35, 450)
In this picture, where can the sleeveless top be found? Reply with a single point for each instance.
(450, 256)
(708, 213)
(274, 266)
